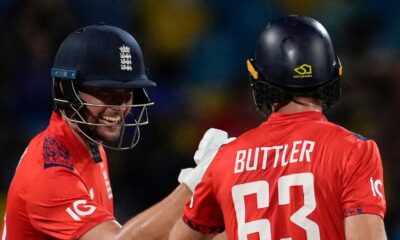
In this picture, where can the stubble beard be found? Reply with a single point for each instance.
(106, 133)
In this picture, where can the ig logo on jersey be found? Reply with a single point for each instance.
(375, 187)
(80, 209)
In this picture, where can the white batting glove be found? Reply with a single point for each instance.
(208, 147)
(192, 176)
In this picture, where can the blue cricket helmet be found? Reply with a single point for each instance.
(294, 56)
(105, 57)
(101, 56)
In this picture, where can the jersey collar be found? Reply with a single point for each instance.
(301, 116)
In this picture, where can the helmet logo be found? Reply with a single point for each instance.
(340, 71)
(252, 71)
(126, 58)
(304, 71)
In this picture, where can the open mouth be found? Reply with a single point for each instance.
(110, 120)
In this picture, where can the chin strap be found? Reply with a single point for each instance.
(94, 150)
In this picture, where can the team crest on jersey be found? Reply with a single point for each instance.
(126, 58)
(55, 154)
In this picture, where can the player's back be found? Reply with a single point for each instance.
(295, 177)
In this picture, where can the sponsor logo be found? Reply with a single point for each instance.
(376, 186)
(80, 209)
(303, 71)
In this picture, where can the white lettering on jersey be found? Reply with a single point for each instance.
(282, 155)
(261, 189)
(77, 210)
(375, 187)
(91, 193)
(106, 181)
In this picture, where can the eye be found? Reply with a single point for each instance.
(106, 96)
(110, 96)
(119, 97)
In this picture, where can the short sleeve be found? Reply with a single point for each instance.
(59, 205)
(202, 213)
(363, 189)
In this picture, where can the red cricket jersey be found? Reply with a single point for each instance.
(58, 191)
(296, 176)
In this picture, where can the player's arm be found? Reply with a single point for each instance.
(363, 195)
(181, 231)
(157, 221)
(139, 228)
(154, 223)
(365, 227)
(105, 230)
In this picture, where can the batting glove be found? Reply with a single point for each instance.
(208, 147)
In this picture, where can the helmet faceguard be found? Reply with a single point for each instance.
(294, 57)
(102, 57)
(72, 108)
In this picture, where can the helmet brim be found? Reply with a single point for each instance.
(142, 82)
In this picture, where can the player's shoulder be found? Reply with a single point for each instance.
(345, 138)
(244, 140)
(54, 167)
(56, 153)
(346, 134)
(44, 160)
(329, 132)
(48, 150)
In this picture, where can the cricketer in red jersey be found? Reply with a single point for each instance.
(61, 188)
(58, 190)
(296, 176)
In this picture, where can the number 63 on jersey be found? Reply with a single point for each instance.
(262, 191)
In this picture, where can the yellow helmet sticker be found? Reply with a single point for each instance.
(251, 69)
(303, 71)
(340, 71)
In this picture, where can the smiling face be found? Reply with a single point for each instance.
(113, 116)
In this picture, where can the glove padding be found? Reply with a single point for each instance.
(208, 147)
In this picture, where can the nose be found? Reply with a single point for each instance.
(118, 105)
(125, 108)
(122, 101)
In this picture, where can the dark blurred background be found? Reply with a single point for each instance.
(196, 52)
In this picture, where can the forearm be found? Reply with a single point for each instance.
(157, 221)
(364, 227)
